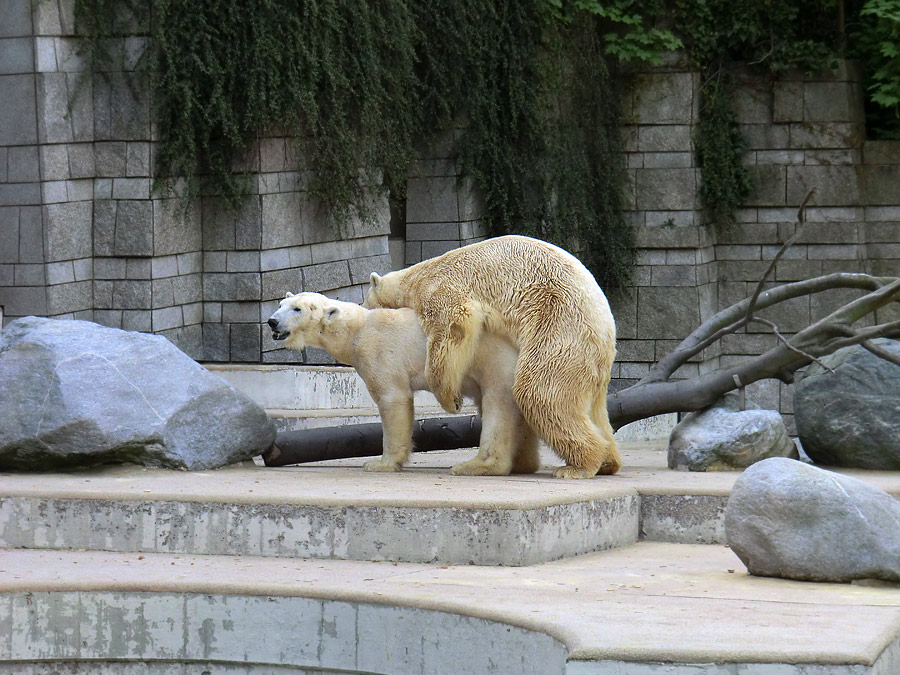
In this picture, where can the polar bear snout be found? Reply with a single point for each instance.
(278, 333)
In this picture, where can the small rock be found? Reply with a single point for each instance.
(74, 394)
(724, 438)
(851, 417)
(796, 521)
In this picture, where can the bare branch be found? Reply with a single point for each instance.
(734, 317)
(880, 352)
(801, 222)
(787, 343)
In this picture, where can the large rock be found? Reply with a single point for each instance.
(73, 393)
(851, 417)
(793, 520)
(724, 438)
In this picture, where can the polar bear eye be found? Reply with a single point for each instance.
(297, 309)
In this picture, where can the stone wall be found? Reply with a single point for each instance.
(803, 132)
(83, 235)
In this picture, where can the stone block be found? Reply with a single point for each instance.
(881, 152)
(176, 226)
(245, 342)
(216, 342)
(109, 268)
(242, 261)
(673, 275)
(104, 227)
(837, 185)
(165, 266)
(137, 159)
(330, 251)
(67, 298)
(60, 273)
(20, 194)
(881, 185)
(667, 236)
(668, 160)
(797, 270)
(103, 294)
(9, 234)
(131, 188)
(54, 123)
(664, 138)
(240, 312)
(232, 286)
(214, 261)
(67, 230)
(166, 318)
(18, 114)
(15, 18)
(753, 102)
(23, 164)
(132, 294)
(45, 48)
(187, 289)
(274, 259)
(134, 228)
(666, 189)
(162, 294)
(190, 263)
(832, 102)
(809, 135)
(663, 98)
(281, 221)
(787, 102)
(23, 300)
(362, 268)
(432, 200)
(137, 320)
(110, 158)
(212, 312)
(769, 188)
(193, 314)
(29, 275)
(139, 268)
(111, 318)
(677, 219)
(667, 314)
(766, 136)
(327, 276)
(432, 232)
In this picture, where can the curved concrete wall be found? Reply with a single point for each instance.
(116, 632)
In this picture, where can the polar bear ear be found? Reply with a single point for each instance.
(331, 314)
(288, 295)
(375, 280)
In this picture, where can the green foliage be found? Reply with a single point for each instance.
(777, 34)
(361, 83)
(876, 40)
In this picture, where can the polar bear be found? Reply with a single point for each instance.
(387, 348)
(543, 300)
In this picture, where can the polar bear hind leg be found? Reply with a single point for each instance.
(454, 331)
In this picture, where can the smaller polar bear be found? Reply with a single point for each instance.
(388, 349)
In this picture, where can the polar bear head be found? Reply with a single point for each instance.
(300, 318)
(384, 291)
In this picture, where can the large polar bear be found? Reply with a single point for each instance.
(548, 304)
(387, 348)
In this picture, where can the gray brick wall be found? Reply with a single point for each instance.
(83, 236)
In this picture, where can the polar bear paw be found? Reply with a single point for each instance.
(573, 472)
(381, 466)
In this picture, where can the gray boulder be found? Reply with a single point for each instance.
(796, 521)
(851, 417)
(724, 438)
(73, 393)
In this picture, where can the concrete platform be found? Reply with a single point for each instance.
(648, 608)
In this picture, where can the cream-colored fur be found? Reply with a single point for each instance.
(387, 348)
(548, 304)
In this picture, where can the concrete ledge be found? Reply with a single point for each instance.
(445, 535)
(646, 609)
(249, 635)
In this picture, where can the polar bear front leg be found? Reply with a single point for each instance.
(397, 424)
(453, 332)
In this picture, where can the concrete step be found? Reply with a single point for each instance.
(646, 609)
(335, 510)
(302, 397)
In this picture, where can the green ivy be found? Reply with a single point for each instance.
(876, 43)
(364, 83)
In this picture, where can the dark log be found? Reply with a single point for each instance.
(365, 440)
